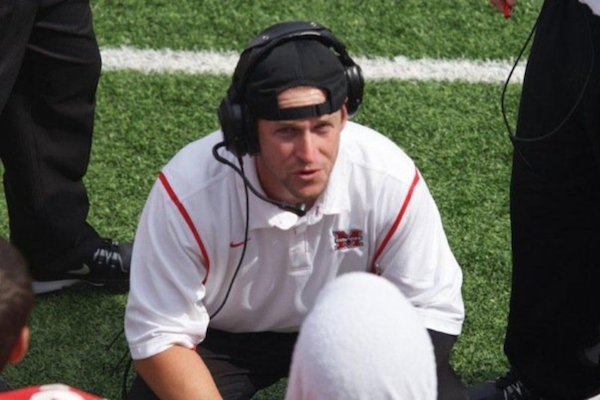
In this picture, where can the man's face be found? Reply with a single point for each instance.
(297, 156)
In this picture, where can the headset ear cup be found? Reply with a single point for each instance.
(250, 132)
(231, 119)
(356, 86)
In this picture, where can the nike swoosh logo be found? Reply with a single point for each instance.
(238, 244)
(84, 270)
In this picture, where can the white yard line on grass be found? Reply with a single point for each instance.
(207, 62)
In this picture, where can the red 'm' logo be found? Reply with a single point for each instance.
(345, 240)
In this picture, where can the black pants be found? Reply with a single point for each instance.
(49, 71)
(244, 363)
(555, 208)
(241, 363)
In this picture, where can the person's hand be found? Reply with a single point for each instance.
(504, 6)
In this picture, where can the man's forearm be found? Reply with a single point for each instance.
(178, 373)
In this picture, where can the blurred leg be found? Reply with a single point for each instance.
(240, 363)
(555, 209)
(46, 135)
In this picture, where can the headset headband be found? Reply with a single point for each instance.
(279, 34)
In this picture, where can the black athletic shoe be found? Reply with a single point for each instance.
(507, 387)
(591, 355)
(108, 264)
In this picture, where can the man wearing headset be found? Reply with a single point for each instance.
(233, 275)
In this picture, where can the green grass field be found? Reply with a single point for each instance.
(453, 130)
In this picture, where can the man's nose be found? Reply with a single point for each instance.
(306, 147)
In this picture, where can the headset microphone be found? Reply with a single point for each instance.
(298, 209)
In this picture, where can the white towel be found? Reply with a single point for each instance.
(362, 340)
(593, 4)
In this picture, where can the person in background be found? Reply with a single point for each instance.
(553, 334)
(49, 71)
(16, 302)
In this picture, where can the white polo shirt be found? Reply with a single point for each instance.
(376, 215)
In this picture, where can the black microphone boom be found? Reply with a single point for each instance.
(298, 209)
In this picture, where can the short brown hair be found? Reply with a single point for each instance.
(16, 298)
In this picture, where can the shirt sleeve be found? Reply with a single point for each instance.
(416, 256)
(165, 305)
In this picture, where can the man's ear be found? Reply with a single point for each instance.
(20, 348)
(344, 111)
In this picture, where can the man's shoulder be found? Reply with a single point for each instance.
(194, 167)
(369, 141)
(196, 152)
(374, 152)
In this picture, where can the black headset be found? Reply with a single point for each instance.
(238, 126)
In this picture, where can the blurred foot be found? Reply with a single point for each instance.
(109, 264)
(507, 387)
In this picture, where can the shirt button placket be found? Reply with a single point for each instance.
(300, 259)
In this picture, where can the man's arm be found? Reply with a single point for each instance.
(178, 373)
(420, 263)
(165, 316)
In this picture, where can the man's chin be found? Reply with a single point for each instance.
(307, 193)
(307, 198)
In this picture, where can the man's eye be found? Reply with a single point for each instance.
(323, 128)
(285, 131)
